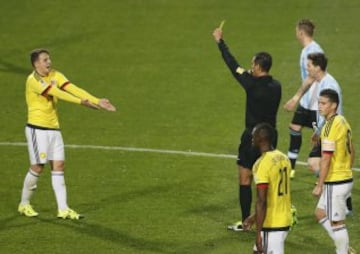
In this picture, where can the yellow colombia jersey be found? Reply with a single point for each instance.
(336, 138)
(273, 168)
(41, 107)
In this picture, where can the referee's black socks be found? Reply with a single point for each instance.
(245, 198)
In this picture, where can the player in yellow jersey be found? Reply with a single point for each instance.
(44, 87)
(335, 180)
(273, 205)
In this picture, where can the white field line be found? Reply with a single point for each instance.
(146, 150)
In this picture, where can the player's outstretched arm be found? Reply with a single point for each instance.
(90, 101)
(105, 104)
(89, 104)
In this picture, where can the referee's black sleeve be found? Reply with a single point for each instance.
(229, 60)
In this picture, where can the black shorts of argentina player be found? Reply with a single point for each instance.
(263, 95)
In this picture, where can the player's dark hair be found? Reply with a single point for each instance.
(318, 59)
(332, 95)
(34, 55)
(265, 132)
(307, 26)
(264, 60)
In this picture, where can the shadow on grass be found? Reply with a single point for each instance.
(127, 196)
(306, 243)
(111, 235)
(13, 68)
(7, 223)
(7, 66)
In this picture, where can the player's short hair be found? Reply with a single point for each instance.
(318, 59)
(264, 60)
(34, 54)
(307, 26)
(332, 95)
(265, 132)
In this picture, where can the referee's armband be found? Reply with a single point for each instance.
(240, 70)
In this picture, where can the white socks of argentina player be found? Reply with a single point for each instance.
(58, 184)
(29, 186)
(338, 234)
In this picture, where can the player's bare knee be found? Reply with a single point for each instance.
(337, 223)
(57, 165)
(245, 176)
(245, 181)
(319, 214)
(37, 168)
(295, 128)
(313, 164)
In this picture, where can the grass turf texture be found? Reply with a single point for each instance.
(157, 61)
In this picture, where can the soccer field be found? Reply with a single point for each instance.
(157, 62)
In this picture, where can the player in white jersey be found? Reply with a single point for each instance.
(303, 116)
(321, 80)
(318, 79)
(312, 47)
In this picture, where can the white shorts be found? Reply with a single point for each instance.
(333, 200)
(44, 145)
(273, 241)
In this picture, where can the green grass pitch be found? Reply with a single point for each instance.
(157, 62)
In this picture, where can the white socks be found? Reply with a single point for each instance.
(325, 223)
(341, 239)
(29, 186)
(58, 184)
(338, 234)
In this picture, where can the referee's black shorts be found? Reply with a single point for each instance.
(304, 117)
(247, 153)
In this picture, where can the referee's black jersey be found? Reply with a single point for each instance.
(263, 94)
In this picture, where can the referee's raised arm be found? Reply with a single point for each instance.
(227, 56)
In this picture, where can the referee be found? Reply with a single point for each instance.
(263, 95)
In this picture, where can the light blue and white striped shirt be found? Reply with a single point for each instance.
(327, 82)
(313, 47)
